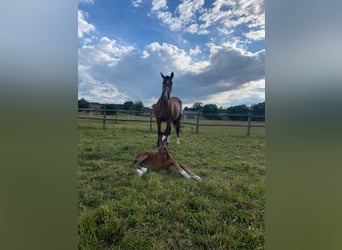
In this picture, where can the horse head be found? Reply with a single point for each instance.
(167, 84)
(163, 144)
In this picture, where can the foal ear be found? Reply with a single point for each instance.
(162, 75)
(171, 75)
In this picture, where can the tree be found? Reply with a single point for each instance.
(258, 109)
(128, 105)
(138, 106)
(110, 107)
(211, 110)
(197, 106)
(83, 104)
(239, 109)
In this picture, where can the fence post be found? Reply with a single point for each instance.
(197, 122)
(151, 121)
(104, 117)
(249, 123)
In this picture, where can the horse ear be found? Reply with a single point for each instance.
(162, 75)
(171, 75)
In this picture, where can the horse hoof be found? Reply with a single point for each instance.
(178, 141)
(144, 170)
(197, 178)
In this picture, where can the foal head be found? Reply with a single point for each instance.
(167, 84)
(163, 144)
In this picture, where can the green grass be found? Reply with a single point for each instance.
(163, 210)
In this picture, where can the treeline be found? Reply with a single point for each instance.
(129, 105)
(211, 111)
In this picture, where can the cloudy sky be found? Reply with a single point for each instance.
(216, 50)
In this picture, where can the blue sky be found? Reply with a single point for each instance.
(216, 50)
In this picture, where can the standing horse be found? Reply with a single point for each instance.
(168, 109)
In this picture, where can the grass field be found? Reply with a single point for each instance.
(163, 210)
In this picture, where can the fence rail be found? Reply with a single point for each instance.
(107, 115)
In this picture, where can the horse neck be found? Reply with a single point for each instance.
(164, 101)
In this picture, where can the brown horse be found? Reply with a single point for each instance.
(161, 160)
(168, 109)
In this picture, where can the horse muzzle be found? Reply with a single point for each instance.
(162, 149)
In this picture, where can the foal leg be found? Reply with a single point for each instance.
(173, 164)
(139, 159)
(192, 174)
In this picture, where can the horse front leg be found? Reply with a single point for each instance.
(159, 128)
(168, 131)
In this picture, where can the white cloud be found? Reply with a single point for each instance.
(185, 14)
(83, 26)
(255, 35)
(110, 47)
(103, 92)
(192, 28)
(106, 51)
(187, 10)
(176, 58)
(249, 93)
(195, 51)
(159, 5)
(137, 3)
(224, 16)
(86, 1)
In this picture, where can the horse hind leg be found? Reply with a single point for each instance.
(176, 124)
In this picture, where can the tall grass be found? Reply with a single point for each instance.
(120, 210)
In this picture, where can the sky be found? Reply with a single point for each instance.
(216, 50)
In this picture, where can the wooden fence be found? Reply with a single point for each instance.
(111, 115)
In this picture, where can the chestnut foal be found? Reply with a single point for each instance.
(161, 160)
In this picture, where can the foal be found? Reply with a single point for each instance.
(161, 160)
